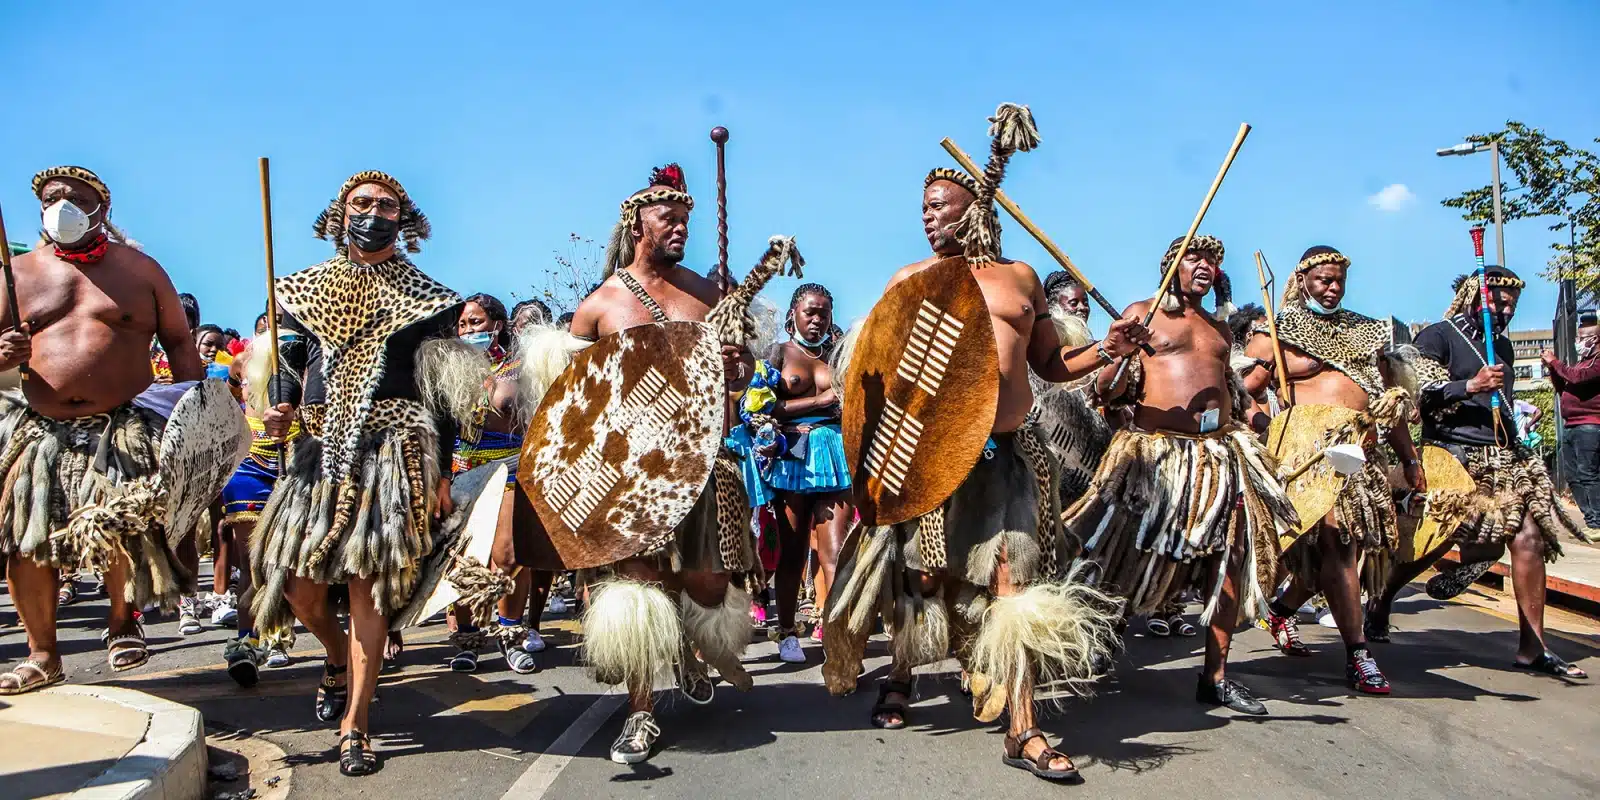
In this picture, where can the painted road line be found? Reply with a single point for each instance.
(536, 781)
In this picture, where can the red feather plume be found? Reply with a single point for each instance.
(670, 175)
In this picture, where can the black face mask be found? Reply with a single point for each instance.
(371, 233)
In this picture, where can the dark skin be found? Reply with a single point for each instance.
(807, 391)
(1075, 301)
(1024, 337)
(85, 333)
(1314, 383)
(209, 344)
(660, 235)
(1527, 546)
(1186, 377)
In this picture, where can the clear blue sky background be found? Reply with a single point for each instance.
(515, 124)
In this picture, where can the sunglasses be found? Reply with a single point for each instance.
(366, 203)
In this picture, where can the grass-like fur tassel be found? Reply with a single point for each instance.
(632, 634)
(1049, 633)
(481, 589)
(721, 634)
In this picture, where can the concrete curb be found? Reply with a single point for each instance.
(168, 764)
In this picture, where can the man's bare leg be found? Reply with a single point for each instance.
(900, 673)
(368, 633)
(310, 603)
(33, 592)
(1021, 704)
(1379, 608)
(1215, 688)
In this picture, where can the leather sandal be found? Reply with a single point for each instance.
(887, 706)
(1555, 666)
(331, 697)
(30, 676)
(1040, 767)
(356, 759)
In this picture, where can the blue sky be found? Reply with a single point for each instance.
(514, 125)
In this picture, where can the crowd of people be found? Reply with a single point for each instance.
(1192, 454)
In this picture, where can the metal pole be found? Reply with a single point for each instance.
(1499, 222)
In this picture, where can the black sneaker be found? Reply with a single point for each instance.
(1447, 586)
(696, 685)
(1230, 694)
(638, 736)
(244, 659)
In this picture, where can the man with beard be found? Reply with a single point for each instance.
(362, 485)
(1066, 295)
(1002, 547)
(1337, 358)
(76, 442)
(1185, 496)
(646, 283)
(1515, 506)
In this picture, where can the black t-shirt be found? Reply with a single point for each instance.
(1449, 414)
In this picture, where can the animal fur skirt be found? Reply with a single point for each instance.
(376, 525)
(1512, 483)
(1165, 509)
(93, 480)
(1006, 605)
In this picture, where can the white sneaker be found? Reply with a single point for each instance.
(558, 604)
(226, 609)
(1325, 619)
(534, 643)
(276, 657)
(1308, 608)
(789, 651)
(189, 616)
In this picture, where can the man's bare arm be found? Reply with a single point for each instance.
(1260, 377)
(172, 328)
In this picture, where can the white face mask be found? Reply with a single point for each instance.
(1318, 308)
(65, 223)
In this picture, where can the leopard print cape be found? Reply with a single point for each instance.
(354, 309)
(1349, 342)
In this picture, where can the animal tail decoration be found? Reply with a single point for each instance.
(731, 318)
(1012, 129)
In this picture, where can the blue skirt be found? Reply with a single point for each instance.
(824, 469)
(755, 488)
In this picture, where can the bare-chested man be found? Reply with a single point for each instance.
(90, 306)
(1335, 357)
(1002, 546)
(647, 283)
(1167, 508)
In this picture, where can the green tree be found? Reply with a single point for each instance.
(1553, 180)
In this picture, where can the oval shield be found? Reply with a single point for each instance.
(1294, 438)
(1446, 477)
(623, 442)
(921, 390)
(468, 533)
(205, 439)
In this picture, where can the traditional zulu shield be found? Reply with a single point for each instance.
(205, 440)
(921, 390)
(622, 445)
(468, 533)
(1445, 474)
(1294, 438)
(1078, 435)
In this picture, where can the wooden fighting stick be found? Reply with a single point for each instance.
(272, 290)
(1183, 247)
(719, 135)
(11, 287)
(1269, 280)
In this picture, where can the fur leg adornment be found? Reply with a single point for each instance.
(1050, 633)
(632, 634)
(924, 636)
(721, 634)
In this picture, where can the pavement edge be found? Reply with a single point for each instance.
(169, 763)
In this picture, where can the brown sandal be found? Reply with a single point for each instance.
(46, 678)
(1040, 767)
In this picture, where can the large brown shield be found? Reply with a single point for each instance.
(921, 390)
(623, 442)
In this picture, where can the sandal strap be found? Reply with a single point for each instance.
(33, 665)
(1021, 740)
(889, 687)
(354, 736)
(137, 640)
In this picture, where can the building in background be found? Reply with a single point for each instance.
(1528, 344)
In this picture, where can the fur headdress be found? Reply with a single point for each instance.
(414, 225)
(1294, 290)
(1011, 129)
(86, 175)
(667, 185)
(1467, 290)
(1209, 245)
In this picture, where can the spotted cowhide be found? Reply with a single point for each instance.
(204, 441)
(623, 442)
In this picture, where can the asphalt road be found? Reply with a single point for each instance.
(1460, 723)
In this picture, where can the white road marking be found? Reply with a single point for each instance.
(542, 773)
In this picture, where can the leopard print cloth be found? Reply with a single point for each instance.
(353, 309)
(733, 520)
(1349, 342)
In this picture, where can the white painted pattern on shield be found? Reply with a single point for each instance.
(889, 458)
(927, 353)
(648, 406)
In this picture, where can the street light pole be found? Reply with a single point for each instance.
(1499, 222)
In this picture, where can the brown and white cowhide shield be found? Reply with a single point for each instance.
(921, 390)
(622, 445)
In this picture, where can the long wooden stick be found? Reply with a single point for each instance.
(272, 289)
(1044, 241)
(1183, 248)
(1263, 269)
(11, 288)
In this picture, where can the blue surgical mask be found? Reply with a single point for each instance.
(480, 341)
(1318, 308)
(826, 337)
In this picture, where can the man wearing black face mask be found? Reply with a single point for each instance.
(363, 484)
(1514, 507)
